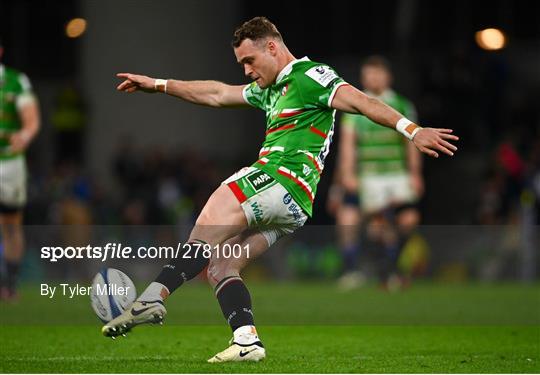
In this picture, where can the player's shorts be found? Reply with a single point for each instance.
(378, 192)
(266, 203)
(12, 184)
(351, 199)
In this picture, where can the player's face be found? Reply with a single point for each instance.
(375, 79)
(258, 60)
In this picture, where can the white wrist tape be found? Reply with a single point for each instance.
(407, 128)
(160, 85)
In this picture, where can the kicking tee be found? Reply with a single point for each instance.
(299, 126)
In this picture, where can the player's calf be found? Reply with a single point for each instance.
(235, 302)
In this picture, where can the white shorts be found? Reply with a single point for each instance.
(13, 182)
(266, 203)
(380, 191)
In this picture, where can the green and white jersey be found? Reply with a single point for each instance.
(380, 150)
(15, 93)
(299, 126)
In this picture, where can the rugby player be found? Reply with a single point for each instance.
(274, 196)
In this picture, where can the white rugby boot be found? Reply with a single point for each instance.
(238, 353)
(140, 312)
(244, 346)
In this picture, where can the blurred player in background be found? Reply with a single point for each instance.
(274, 196)
(19, 124)
(379, 179)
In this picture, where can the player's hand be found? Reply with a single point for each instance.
(136, 82)
(431, 141)
(19, 141)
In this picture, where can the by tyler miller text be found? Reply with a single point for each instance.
(74, 290)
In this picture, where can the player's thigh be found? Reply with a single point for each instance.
(235, 254)
(12, 185)
(221, 218)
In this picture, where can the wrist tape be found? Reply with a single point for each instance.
(407, 128)
(160, 85)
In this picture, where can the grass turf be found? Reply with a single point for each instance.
(427, 329)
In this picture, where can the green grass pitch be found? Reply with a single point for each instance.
(306, 328)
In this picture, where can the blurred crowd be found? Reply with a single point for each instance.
(151, 186)
(511, 183)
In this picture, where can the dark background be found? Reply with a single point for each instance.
(127, 152)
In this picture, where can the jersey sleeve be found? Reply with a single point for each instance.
(253, 95)
(25, 94)
(410, 111)
(347, 121)
(319, 85)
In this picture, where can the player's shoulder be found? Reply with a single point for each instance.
(12, 72)
(306, 65)
(314, 72)
(17, 77)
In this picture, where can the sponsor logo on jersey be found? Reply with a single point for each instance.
(257, 211)
(307, 170)
(295, 210)
(259, 180)
(287, 198)
(323, 75)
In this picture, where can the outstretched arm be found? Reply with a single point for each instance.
(209, 93)
(428, 140)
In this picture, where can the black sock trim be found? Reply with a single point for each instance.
(258, 343)
(223, 281)
(153, 301)
(180, 269)
(199, 241)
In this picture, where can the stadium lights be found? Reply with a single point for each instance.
(490, 39)
(75, 27)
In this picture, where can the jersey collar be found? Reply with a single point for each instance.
(288, 68)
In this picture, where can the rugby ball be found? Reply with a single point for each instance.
(112, 293)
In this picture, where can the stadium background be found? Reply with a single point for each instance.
(142, 166)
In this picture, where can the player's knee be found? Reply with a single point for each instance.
(205, 218)
(408, 220)
(218, 271)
